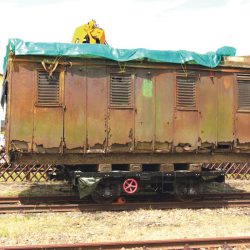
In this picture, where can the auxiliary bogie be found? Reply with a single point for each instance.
(108, 186)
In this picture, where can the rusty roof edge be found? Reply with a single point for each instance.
(228, 64)
(235, 61)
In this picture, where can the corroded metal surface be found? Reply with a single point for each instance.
(75, 86)
(164, 106)
(89, 120)
(208, 111)
(127, 158)
(48, 129)
(225, 107)
(144, 111)
(21, 105)
(96, 109)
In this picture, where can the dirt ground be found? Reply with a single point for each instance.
(21, 229)
(35, 188)
(239, 184)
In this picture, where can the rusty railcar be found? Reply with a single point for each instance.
(96, 108)
(133, 116)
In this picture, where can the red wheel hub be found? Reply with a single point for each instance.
(130, 186)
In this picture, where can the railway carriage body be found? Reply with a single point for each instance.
(133, 116)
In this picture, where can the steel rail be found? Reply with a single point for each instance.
(38, 199)
(222, 242)
(233, 195)
(6, 209)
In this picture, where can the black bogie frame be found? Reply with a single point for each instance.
(183, 184)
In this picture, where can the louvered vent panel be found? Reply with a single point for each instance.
(48, 89)
(243, 81)
(120, 90)
(186, 90)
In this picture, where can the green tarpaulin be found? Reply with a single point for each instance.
(210, 59)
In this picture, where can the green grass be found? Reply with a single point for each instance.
(59, 228)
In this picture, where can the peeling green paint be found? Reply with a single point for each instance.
(147, 88)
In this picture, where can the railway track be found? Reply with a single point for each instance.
(75, 199)
(38, 199)
(221, 243)
(64, 204)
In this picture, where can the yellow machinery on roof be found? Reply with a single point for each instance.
(89, 33)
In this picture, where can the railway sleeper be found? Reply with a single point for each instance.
(106, 182)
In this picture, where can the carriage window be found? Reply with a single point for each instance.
(120, 91)
(186, 90)
(243, 84)
(48, 89)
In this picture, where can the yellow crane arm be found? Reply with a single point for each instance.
(89, 33)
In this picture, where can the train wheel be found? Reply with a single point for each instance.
(106, 191)
(130, 186)
(186, 191)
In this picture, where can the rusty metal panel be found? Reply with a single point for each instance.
(164, 108)
(208, 110)
(121, 111)
(22, 103)
(144, 111)
(48, 122)
(225, 115)
(96, 109)
(75, 110)
(186, 129)
(120, 134)
(242, 116)
(48, 129)
(186, 118)
(242, 123)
